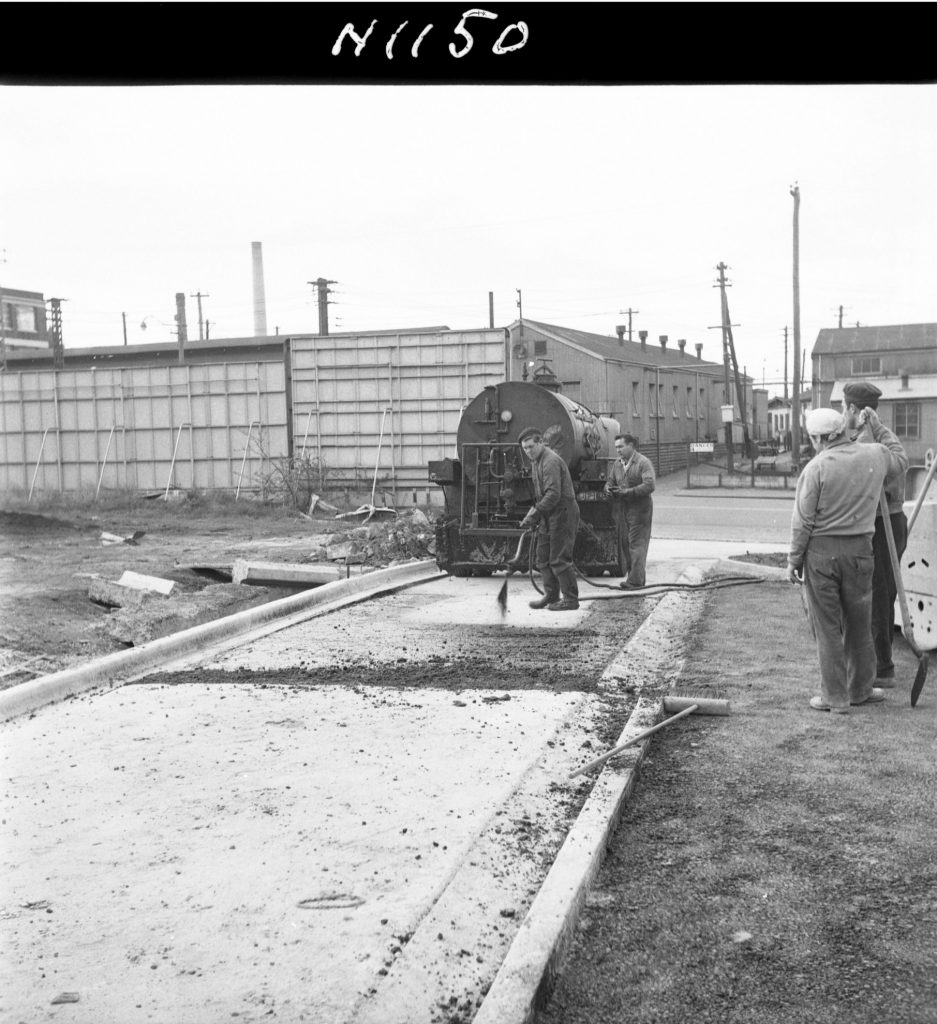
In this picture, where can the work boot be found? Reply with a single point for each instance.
(819, 704)
(543, 602)
(876, 695)
(567, 604)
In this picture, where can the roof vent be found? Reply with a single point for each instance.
(699, 349)
(681, 344)
(643, 336)
(620, 330)
(663, 341)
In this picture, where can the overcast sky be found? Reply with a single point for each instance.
(420, 200)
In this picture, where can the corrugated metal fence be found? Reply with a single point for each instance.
(202, 426)
(369, 409)
(389, 403)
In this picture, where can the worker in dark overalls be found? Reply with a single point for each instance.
(631, 481)
(555, 513)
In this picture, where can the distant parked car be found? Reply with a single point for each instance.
(768, 448)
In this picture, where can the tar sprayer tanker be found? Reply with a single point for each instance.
(488, 489)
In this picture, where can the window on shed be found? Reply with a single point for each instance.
(676, 394)
(653, 406)
(540, 348)
(635, 398)
(689, 402)
(701, 404)
(25, 319)
(908, 419)
(862, 365)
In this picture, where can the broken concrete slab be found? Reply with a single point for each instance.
(114, 595)
(139, 581)
(115, 538)
(291, 573)
(348, 550)
(157, 616)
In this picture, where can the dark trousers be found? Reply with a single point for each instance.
(838, 583)
(885, 591)
(633, 518)
(556, 537)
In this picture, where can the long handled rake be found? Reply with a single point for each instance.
(906, 627)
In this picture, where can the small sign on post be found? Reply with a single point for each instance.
(702, 446)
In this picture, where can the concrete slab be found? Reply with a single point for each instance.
(293, 573)
(208, 852)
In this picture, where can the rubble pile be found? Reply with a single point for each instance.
(381, 542)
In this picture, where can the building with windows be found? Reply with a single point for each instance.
(901, 360)
(23, 319)
(779, 418)
(657, 391)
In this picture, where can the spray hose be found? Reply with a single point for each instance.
(651, 590)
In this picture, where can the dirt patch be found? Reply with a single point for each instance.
(773, 558)
(772, 866)
(47, 556)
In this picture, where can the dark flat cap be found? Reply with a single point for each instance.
(861, 393)
(529, 432)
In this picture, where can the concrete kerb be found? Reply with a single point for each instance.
(536, 955)
(115, 669)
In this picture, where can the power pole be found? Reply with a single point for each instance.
(58, 348)
(322, 294)
(786, 396)
(206, 330)
(630, 313)
(795, 407)
(200, 296)
(520, 311)
(124, 316)
(728, 356)
(3, 329)
(491, 309)
(181, 329)
(3, 334)
(840, 317)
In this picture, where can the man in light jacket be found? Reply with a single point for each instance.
(831, 553)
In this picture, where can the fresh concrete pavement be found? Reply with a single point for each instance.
(207, 851)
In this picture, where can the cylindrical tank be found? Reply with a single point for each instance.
(502, 411)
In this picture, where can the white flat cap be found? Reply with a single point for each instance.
(824, 421)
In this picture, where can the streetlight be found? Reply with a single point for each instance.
(156, 320)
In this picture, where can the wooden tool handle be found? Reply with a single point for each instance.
(896, 570)
(630, 743)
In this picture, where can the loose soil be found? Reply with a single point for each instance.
(47, 557)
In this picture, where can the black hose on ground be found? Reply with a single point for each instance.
(651, 590)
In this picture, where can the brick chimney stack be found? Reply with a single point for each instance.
(643, 336)
(663, 341)
(699, 350)
(681, 344)
(620, 330)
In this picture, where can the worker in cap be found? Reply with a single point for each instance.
(860, 408)
(831, 554)
(555, 514)
(629, 486)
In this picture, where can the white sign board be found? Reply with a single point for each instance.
(702, 446)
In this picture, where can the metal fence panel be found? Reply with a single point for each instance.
(389, 402)
(141, 427)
